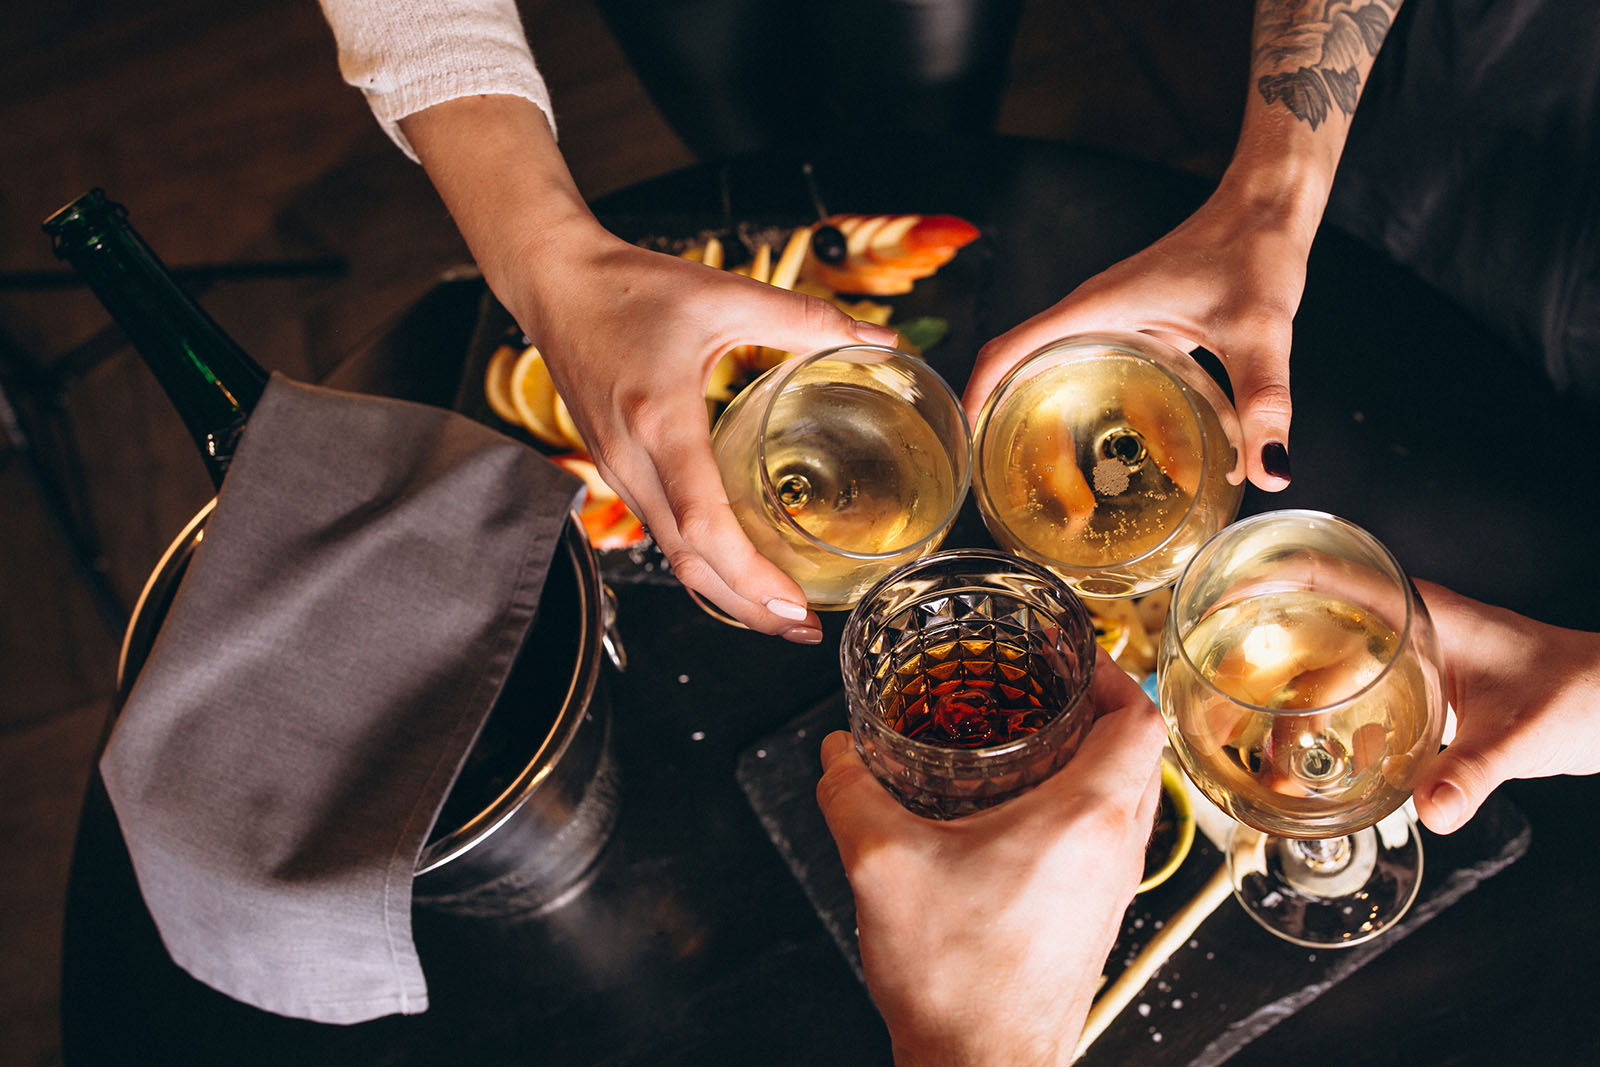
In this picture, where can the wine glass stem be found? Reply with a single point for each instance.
(1324, 855)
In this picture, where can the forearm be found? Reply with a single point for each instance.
(407, 55)
(1309, 64)
(496, 166)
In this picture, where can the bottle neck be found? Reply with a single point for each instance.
(209, 379)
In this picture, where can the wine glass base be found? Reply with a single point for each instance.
(1328, 903)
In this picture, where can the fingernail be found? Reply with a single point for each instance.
(787, 609)
(1275, 459)
(874, 334)
(1449, 802)
(803, 635)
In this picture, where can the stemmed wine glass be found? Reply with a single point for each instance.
(843, 465)
(1302, 684)
(1109, 458)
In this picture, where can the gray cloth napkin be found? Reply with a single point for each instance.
(345, 625)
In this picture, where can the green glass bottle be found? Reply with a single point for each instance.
(207, 376)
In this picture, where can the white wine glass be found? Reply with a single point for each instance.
(1109, 458)
(843, 465)
(1303, 688)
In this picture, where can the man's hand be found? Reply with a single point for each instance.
(1527, 703)
(983, 938)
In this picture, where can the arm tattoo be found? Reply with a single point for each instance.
(1313, 54)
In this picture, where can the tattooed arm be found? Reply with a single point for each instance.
(1230, 277)
(1314, 57)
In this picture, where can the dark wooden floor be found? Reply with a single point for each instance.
(227, 132)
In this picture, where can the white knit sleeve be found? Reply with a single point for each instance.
(405, 55)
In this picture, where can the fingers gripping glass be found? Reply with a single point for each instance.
(843, 465)
(1107, 458)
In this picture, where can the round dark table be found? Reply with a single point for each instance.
(692, 942)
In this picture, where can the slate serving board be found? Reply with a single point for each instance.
(1233, 980)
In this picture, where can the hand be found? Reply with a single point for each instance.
(1228, 279)
(1527, 702)
(630, 337)
(983, 938)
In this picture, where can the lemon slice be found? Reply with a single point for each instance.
(497, 383)
(533, 396)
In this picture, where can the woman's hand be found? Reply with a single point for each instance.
(983, 938)
(1227, 279)
(630, 337)
(1230, 277)
(1527, 703)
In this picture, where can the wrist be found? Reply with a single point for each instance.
(1280, 174)
(536, 258)
(496, 166)
(1281, 196)
(968, 1050)
(1046, 1035)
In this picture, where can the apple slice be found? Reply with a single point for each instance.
(712, 256)
(600, 517)
(787, 269)
(939, 231)
(761, 265)
(606, 520)
(579, 463)
(888, 241)
(870, 281)
(626, 531)
(859, 239)
(845, 224)
(1166, 425)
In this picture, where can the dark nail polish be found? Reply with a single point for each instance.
(1275, 459)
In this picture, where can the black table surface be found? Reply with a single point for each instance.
(692, 942)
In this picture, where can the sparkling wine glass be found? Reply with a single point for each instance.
(966, 674)
(1109, 458)
(1302, 684)
(843, 465)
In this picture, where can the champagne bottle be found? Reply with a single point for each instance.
(211, 381)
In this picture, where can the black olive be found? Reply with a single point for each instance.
(829, 245)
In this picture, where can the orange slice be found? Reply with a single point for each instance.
(568, 428)
(497, 383)
(533, 397)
